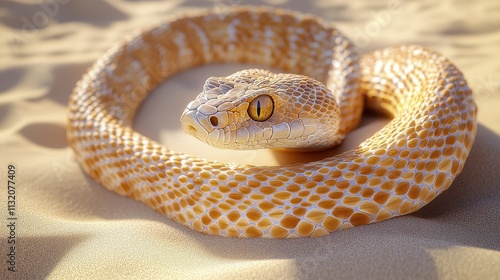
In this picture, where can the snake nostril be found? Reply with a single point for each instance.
(214, 120)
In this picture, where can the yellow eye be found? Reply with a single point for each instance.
(261, 108)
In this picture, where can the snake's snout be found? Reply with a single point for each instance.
(191, 126)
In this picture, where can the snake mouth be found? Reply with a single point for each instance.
(191, 130)
(191, 126)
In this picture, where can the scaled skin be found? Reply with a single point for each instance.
(397, 171)
(305, 114)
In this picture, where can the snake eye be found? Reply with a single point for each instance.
(261, 108)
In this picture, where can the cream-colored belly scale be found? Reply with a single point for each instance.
(397, 171)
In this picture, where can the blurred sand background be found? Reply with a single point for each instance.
(70, 227)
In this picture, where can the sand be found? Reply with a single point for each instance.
(68, 226)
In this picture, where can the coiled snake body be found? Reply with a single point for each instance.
(395, 172)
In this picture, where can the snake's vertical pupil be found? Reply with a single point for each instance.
(261, 108)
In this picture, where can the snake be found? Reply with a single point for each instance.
(318, 97)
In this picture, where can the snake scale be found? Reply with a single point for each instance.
(395, 172)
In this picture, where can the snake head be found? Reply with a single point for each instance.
(258, 109)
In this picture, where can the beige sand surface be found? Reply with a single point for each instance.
(70, 227)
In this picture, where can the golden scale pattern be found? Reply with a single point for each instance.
(397, 171)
